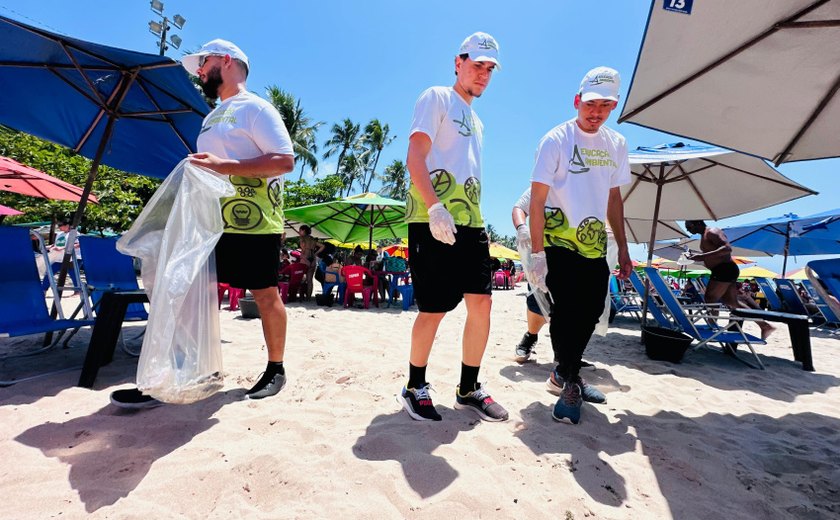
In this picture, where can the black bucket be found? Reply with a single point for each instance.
(665, 344)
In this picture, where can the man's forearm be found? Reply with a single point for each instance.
(269, 165)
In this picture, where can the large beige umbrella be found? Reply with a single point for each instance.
(757, 76)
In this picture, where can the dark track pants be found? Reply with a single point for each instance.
(578, 287)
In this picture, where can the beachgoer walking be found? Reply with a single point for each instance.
(310, 248)
(579, 167)
(243, 137)
(450, 256)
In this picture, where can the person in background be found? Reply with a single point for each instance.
(309, 250)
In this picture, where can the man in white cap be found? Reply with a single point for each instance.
(450, 257)
(243, 137)
(580, 165)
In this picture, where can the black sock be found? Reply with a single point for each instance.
(275, 367)
(416, 376)
(469, 378)
(534, 336)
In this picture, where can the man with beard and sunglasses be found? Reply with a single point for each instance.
(244, 138)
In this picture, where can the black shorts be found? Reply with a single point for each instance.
(442, 274)
(532, 304)
(248, 261)
(726, 272)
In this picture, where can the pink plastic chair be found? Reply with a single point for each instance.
(354, 275)
(233, 295)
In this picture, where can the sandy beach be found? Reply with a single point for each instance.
(706, 438)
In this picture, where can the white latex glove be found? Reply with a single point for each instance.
(538, 270)
(442, 224)
(523, 238)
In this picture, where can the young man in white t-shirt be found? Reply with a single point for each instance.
(245, 138)
(579, 168)
(450, 256)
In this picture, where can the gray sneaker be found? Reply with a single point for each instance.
(554, 385)
(133, 399)
(525, 347)
(267, 386)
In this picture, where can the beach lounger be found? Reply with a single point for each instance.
(710, 332)
(654, 307)
(832, 320)
(23, 307)
(790, 298)
(770, 294)
(623, 302)
(825, 277)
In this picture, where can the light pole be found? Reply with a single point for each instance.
(161, 27)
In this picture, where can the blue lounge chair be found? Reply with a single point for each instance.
(23, 308)
(825, 277)
(653, 306)
(790, 297)
(710, 332)
(769, 290)
(832, 321)
(623, 302)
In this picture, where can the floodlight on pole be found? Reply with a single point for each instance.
(161, 28)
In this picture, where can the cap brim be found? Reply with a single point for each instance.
(190, 62)
(592, 96)
(483, 57)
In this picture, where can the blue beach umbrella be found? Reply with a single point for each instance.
(790, 234)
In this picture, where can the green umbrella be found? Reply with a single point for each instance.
(367, 216)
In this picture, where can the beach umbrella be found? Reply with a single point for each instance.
(346, 245)
(756, 271)
(134, 111)
(680, 181)
(18, 178)
(638, 230)
(755, 76)
(497, 250)
(675, 250)
(6, 211)
(797, 274)
(367, 216)
(397, 250)
(790, 234)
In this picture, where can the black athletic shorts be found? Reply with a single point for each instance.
(442, 274)
(532, 304)
(248, 261)
(726, 272)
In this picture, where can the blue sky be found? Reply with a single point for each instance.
(371, 59)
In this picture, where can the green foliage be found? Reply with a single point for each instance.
(121, 195)
(301, 193)
(395, 180)
(300, 126)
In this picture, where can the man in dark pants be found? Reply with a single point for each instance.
(579, 168)
(245, 138)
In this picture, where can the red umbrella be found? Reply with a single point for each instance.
(6, 211)
(18, 178)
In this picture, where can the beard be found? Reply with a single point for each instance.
(211, 85)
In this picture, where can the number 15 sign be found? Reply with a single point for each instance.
(678, 6)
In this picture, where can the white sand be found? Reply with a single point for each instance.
(707, 438)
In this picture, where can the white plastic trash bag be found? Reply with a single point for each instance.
(174, 237)
(542, 298)
(612, 259)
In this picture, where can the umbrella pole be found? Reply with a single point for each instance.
(787, 250)
(370, 227)
(650, 247)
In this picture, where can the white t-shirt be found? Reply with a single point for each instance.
(245, 126)
(580, 169)
(454, 161)
(524, 202)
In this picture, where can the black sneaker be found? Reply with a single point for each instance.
(418, 403)
(587, 365)
(525, 348)
(567, 408)
(554, 384)
(267, 386)
(481, 403)
(133, 399)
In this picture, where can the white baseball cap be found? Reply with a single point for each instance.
(216, 47)
(481, 47)
(600, 83)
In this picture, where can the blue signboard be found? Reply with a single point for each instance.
(678, 6)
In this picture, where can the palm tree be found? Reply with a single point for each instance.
(395, 180)
(492, 234)
(301, 128)
(351, 169)
(375, 139)
(345, 138)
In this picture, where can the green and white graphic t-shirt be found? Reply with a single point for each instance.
(245, 126)
(580, 169)
(454, 161)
